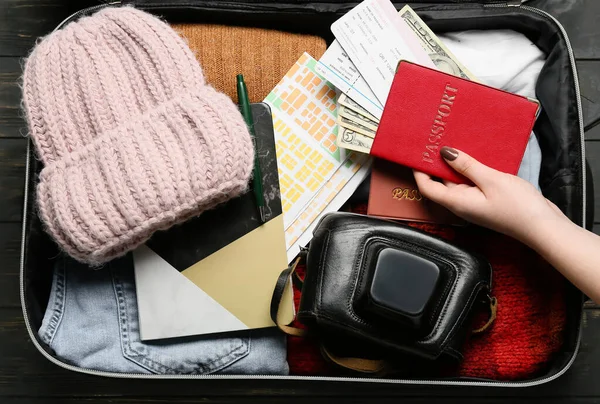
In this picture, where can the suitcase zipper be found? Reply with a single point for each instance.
(424, 382)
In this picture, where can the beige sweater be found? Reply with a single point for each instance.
(262, 56)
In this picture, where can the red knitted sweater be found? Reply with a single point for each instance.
(530, 320)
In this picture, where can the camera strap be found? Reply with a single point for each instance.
(368, 366)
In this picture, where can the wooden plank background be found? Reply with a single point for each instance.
(26, 377)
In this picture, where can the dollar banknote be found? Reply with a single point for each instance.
(357, 117)
(439, 54)
(351, 140)
(353, 105)
(355, 126)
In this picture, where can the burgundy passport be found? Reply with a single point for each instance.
(427, 109)
(394, 195)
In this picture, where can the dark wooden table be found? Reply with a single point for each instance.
(26, 377)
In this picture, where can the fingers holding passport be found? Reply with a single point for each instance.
(432, 189)
(480, 174)
(464, 164)
(461, 199)
(499, 201)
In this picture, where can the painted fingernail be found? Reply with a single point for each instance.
(449, 153)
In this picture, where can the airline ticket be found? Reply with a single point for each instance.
(338, 69)
(375, 38)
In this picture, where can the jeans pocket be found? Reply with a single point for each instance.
(56, 305)
(193, 355)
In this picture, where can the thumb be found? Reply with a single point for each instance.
(467, 166)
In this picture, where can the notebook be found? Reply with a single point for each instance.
(428, 109)
(216, 273)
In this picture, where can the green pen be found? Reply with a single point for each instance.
(257, 186)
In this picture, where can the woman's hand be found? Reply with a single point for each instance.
(513, 206)
(499, 201)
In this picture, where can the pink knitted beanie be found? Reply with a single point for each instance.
(132, 138)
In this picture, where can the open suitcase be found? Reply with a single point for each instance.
(563, 176)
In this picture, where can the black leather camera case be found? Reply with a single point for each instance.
(337, 297)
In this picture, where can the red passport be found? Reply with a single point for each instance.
(427, 109)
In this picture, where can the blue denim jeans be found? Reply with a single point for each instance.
(92, 322)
